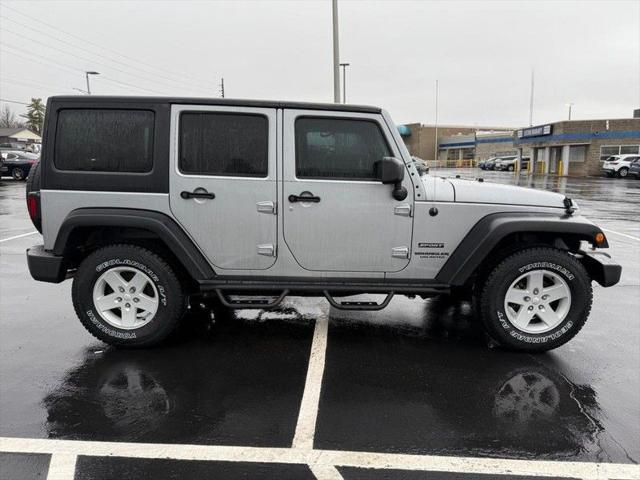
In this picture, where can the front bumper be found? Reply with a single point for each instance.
(601, 267)
(45, 266)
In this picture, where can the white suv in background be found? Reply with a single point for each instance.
(618, 165)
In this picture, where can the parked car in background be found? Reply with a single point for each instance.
(483, 163)
(11, 146)
(489, 164)
(19, 163)
(3, 168)
(421, 165)
(634, 168)
(618, 165)
(505, 163)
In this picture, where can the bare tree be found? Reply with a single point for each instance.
(8, 119)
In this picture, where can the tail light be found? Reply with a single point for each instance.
(33, 205)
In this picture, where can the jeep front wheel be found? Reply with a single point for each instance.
(126, 295)
(536, 299)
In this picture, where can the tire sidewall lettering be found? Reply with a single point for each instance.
(518, 335)
(116, 262)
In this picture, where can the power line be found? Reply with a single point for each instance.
(66, 66)
(12, 101)
(127, 65)
(85, 59)
(31, 84)
(181, 78)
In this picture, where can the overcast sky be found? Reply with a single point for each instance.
(482, 53)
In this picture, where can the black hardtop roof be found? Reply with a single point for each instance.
(215, 101)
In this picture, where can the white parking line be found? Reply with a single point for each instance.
(325, 472)
(306, 426)
(62, 466)
(323, 458)
(622, 234)
(18, 236)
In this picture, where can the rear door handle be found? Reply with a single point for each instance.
(196, 194)
(309, 197)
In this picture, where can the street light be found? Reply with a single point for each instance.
(344, 81)
(87, 76)
(569, 105)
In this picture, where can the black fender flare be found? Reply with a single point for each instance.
(166, 228)
(485, 235)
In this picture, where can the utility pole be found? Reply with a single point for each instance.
(344, 81)
(87, 77)
(222, 87)
(531, 101)
(435, 148)
(336, 54)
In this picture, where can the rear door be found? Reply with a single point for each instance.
(223, 182)
(350, 222)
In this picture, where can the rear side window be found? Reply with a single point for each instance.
(104, 140)
(332, 148)
(224, 144)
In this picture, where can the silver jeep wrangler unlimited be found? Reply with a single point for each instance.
(150, 202)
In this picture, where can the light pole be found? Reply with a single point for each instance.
(336, 54)
(435, 154)
(569, 105)
(87, 76)
(344, 81)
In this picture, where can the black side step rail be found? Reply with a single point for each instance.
(255, 303)
(358, 305)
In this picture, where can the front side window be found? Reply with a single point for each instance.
(224, 144)
(104, 140)
(332, 148)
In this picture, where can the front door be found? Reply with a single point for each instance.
(223, 182)
(337, 216)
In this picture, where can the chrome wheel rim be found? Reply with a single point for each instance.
(125, 298)
(537, 301)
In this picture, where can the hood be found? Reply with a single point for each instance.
(486, 192)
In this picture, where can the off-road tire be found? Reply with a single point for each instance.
(170, 292)
(493, 289)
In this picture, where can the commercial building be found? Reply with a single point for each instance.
(572, 147)
(421, 139)
(577, 147)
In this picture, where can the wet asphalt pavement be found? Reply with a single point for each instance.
(415, 378)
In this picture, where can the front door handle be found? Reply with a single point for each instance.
(197, 194)
(304, 197)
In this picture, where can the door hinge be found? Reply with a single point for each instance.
(404, 210)
(267, 207)
(400, 252)
(267, 249)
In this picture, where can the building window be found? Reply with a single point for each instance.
(609, 150)
(101, 140)
(468, 153)
(453, 154)
(331, 148)
(224, 144)
(577, 153)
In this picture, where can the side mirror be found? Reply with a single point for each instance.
(390, 170)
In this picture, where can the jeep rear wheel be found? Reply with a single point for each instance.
(126, 295)
(536, 299)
